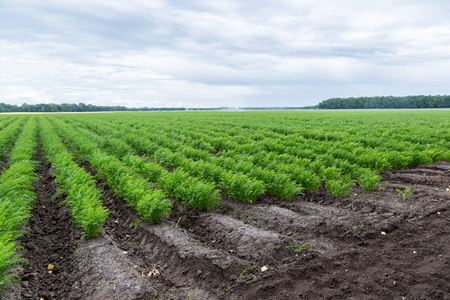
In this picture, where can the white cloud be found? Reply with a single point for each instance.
(17, 94)
(229, 53)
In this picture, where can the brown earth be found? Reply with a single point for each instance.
(368, 245)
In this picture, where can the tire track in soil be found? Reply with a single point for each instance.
(50, 239)
(250, 226)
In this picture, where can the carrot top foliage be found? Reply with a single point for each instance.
(16, 195)
(246, 154)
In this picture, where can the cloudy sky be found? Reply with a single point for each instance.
(203, 53)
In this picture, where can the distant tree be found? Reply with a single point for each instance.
(419, 101)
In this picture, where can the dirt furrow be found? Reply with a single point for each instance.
(238, 238)
(48, 244)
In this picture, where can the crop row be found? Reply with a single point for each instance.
(16, 197)
(9, 135)
(82, 196)
(5, 122)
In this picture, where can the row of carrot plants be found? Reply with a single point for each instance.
(8, 136)
(82, 196)
(16, 199)
(5, 122)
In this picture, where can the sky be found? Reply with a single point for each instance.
(229, 53)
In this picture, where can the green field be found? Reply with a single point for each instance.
(195, 157)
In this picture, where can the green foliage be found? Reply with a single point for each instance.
(338, 187)
(248, 272)
(284, 151)
(16, 199)
(8, 137)
(399, 160)
(419, 101)
(305, 178)
(169, 158)
(150, 170)
(332, 173)
(299, 249)
(8, 260)
(240, 188)
(407, 193)
(209, 172)
(278, 185)
(193, 192)
(369, 180)
(83, 197)
(195, 154)
(148, 201)
(178, 222)
(420, 158)
(152, 207)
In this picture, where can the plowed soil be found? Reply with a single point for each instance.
(368, 245)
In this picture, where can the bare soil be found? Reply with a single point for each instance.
(368, 245)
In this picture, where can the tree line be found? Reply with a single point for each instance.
(67, 107)
(419, 101)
